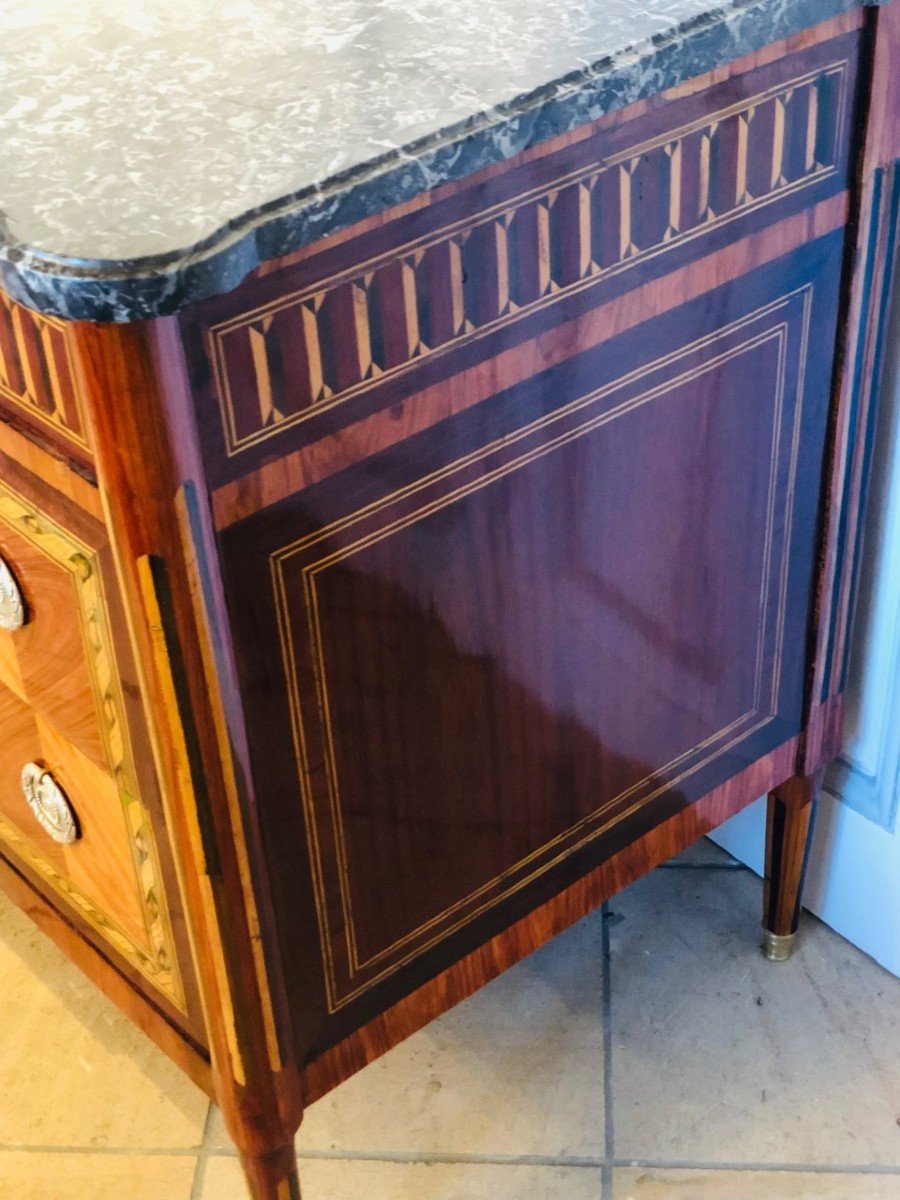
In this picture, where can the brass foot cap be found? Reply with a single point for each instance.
(778, 947)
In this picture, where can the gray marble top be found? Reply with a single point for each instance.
(153, 153)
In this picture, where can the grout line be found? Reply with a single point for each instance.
(111, 1151)
(401, 1156)
(800, 1168)
(587, 1162)
(431, 1158)
(608, 1128)
(202, 1157)
(419, 1157)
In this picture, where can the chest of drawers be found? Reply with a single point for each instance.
(364, 625)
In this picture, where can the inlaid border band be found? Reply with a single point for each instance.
(350, 299)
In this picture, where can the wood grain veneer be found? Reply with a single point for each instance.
(425, 608)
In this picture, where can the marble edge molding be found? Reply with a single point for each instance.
(112, 290)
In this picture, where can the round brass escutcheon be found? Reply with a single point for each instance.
(48, 803)
(12, 606)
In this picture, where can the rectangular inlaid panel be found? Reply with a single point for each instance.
(69, 704)
(474, 658)
(298, 354)
(39, 386)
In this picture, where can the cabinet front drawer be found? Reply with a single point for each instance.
(76, 775)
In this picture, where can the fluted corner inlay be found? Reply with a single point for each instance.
(315, 348)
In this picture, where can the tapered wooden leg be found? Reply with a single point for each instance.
(272, 1176)
(788, 834)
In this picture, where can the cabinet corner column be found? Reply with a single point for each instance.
(145, 445)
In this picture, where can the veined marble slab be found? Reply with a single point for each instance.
(151, 154)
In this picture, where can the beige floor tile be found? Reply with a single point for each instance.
(73, 1070)
(344, 1180)
(39, 1176)
(721, 1056)
(751, 1185)
(516, 1069)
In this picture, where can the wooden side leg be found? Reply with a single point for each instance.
(788, 835)
(272, 1176)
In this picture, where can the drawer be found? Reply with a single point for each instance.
(40, 392)
(79, 807)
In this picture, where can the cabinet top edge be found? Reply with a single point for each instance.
(154, 158)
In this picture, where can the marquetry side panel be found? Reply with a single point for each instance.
(38, 377)
(412, 631)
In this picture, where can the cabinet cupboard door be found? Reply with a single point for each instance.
(538, 628)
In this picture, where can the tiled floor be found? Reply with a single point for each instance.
(649, 1053)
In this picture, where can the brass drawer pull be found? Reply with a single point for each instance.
(48, 803)
(12, 606)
